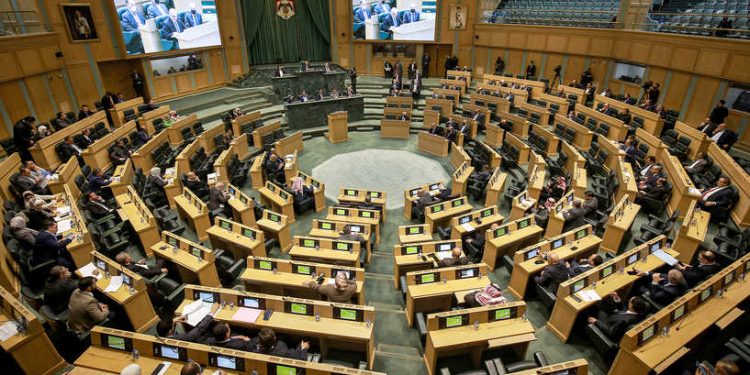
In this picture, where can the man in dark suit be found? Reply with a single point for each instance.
(266, 343)
(724, 138)
(198, 334)
(58, 288)
(218, 198)
(718, 197)
(411, 16)
(657, 192)
(698, 166)
(412, 69)
(23, 137)
(531, 70)
(362, 13)
(132, 19)
(583, 265)
(193, 18)
(86, 139)
(278, 72)
(222, 336)
(554, 273)
(575, 212)
(664, 290)
(479, 118)
(426, 65)
(719, 113)
(615, 325)
(172, 26)
(590, 203)
(275, 168)
(47, 247)
(706, 267)
(138, 84)
(654, 173)
(157, 9)
(97, 180)
(455, 260)
(97, 206)
(404, 117)
(119, 153)
(423, 201)
(140, 267)
(68, 149)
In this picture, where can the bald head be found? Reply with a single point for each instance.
(553, 258)
(456, 252)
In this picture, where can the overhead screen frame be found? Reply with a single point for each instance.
(122, 47)
(391, 41)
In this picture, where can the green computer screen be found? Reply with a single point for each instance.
(172, 241)
(115, 342)
(196, 251)
(340, 212)
(437, 208)
(305, 270)
(487, 212)
(274, 217)
(347, 314)
(226, 225)
(453, 321)
(265, 265)
(299, 308)
(308, 243)
(285, 370)
(607, 271)
(501, 314)
(326, 226)
(366, 214)
(579, 285)
(411, 250)
(523, 224)
(248, 233)
(351, 192)
(414, 230)
(458, 202)
(501, 231)
(428, 278)
(342, 246)
(580, 234)
(374, 194)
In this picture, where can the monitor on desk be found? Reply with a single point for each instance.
(270, 186)
(457, 202)
(356, 228)
(283, 195)
(453, 321)
(365, 214)
(581, 233)
(298, 308)
(117, 342)
(100, 264)
(606, 271)
(315, 183)
(416, 230)
(467, 273)
(351, 193)
(343, 246)
(679, 312)
(464, 219)
(195, 251)
(232, 191)
(251, 302)
(437, 208)
(309, 242)
(654, 246)
(243, 199)
(374, 194)
(303, 269)
(572, 371)
(274, 217)
(170, 352)
(705, 294)
(434, 187)
(186, 194)
(226, 362)
(558, 243)
(173, 241)
(647, 333)
(265, 265)
(225, 224)
(633, 258)
(444, 247)
(502, 314)
(325, 225)
(487, 212)
(570, 199)
(411, 250)
(202, 295)
(427, 278)
(127, 280)
(578, 285)
(249, 233)
(350, 274)
(728, 278)
(533, 253)
(523, 223)
(341, 212)
(414, 192)
(499, 232)
(353, 315)
(275, 369)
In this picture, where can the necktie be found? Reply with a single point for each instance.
(177, 26)
(137, 20)
(195, 21)
(708, 192)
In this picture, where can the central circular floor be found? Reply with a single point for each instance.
(391, 171)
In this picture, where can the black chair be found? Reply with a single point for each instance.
(57, 320)
(228, 269)
(656, 227)
(602, 343)
(548, 298)
(731, 244)
(173, 292)
(538, 360)
(656, 206)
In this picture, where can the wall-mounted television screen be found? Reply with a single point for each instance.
(402, 20)
(154, 26)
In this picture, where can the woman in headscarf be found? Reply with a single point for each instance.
(26, 236)
(38, 215)
(298, 188)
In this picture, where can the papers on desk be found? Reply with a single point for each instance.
(196, 311)
(468, 227)
(169, 172)
(247, 315)
(443, 254)
(589, 295)
(694, 191)
(164, 367)
(331, 281)
(63, 211)
(212, 178)
(525, 202)
(289, 157)
(114, 284)
(666, 258)
(116, 179)
(88, 270)
(8, 330)
(64, 226)
(53, 178)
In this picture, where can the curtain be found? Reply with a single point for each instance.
(274, 40)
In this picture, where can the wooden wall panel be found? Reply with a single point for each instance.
(514, 62)
(60, 92)
(684, 59)
(217, 66)
(14, 101)
(11, 68)
(183, 82)
(82, 80)
(553, 60)
(678, 87)
(711, 62)
(599, 71)
(574, 69)
(702, 100)
(660, 55)
(38, 92)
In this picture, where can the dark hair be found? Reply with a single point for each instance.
(598, 260)
(267, 338)
(220, 331)
(639, 305)
(191, 368)
(164, 327)
(709, 256)
(722, 101)
(49, 222)
(86, 282)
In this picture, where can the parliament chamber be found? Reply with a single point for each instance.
(279, 187)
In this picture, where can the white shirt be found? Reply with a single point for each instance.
(711, 192)
(717, 136)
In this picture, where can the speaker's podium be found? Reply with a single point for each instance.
(338, 127)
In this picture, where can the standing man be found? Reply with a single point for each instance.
(719, 113)
(137, 83)
(412, 69)
(193, 18)
(23, 137)
(353, 79)
(426, 65)
(557, 78)
(531, 70)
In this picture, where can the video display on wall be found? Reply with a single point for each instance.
(404, 20)
(153, 26)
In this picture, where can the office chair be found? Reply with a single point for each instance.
(656, 227)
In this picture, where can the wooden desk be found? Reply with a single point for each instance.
(132, 298)
(243, 207)
(458, 156)
(512, 140)
(477, 220)
(552, 101)
(64, 175)
(470, 110)
(740, 179)
(692, 233)
(277, 226)
(478, 333)
(256, 173)
(525, 266)
(333, 229)
(432, 144)
(330, 332)
(439, 214)
(495, 186)
(556, 218)
(403, 102)
(338, 127)
(617, 128)
(699, 141)
(261, 132)
(82, 244)
(580, 94)
(194, 212)
(454, 95)
(628, 185)
(464, 75)
(419, 256)
(291, 144)
(43, 151)
(8, 167)
(174, 131)
(357, 215)
(619, 222)
(97, 154)
(414, 233)
(509, 238)
(239, 123)
(279, 200)
(438, 293)
(325, 250)
(536, 86)
(195, 262)
(683, 191)
(143, 158)
(493, 103)
(459, 178)
(118, 111)
(319, 191)
(140, 218)
(349, 196)
(444, 106)
(146, 119)
(652, 123)
(609, 277)
(410, 195)
(394, 129)
(238, 147)
(583, 136)
(283, 277)
(536, 180)
(240, 240)
(521, 205)
(122, 177)
(32, 350)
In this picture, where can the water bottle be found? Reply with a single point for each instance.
(136, 355)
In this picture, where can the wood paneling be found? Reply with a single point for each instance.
(678, 87)
(702, 100)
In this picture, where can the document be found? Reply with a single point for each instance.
(164, 367)
(444, 254)
(589, 295)
(114, 284)
(668, 259)
(468, 227)
(196, 311)
(64, 226)
(88, 270)
(694, 191)
(8, 330)
(63, 211)
(248, 315)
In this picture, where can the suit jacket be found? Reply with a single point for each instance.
(85, 312)
(280, 350)
(698, 166)
(67, 151)
(410, 17)
(531, 70)
(390, 21)
(22, 135)
(168, 27)
(119, 155)
(381, 8)
(695, 274)
(727, 138)
(722, 197)
(615, 325)
(552, 276)
(47, 247)
(147, 272)
(236, 344)
(192, 20)
(216, 199)
(157, 10)
(664, 293)
(96, 183)
(590, 205)
(333, 294)
(129, 22)
(578, 269)
(361, 15)
(656, 192)
(574, 213)
(450, 262)
(156, 181)
(24, 183)
(57, 293)
(198, 333)
(98, 209)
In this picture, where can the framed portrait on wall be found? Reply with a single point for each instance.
(457, 20)
(79, 22)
